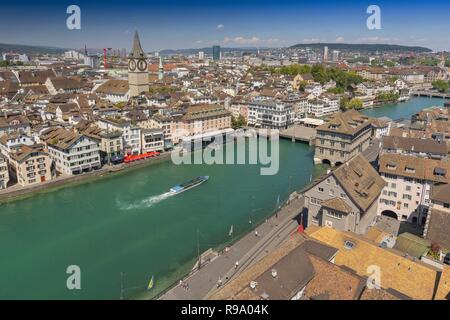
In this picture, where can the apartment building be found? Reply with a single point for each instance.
(346, 198)
(409, 179)
(152, 140)
(71, 152)
(343, 136)
(4, 172)
(201, 119)
(270, 114)
(31, 165)
(131, 134)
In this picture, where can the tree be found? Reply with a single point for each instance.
(441, 85)
(355, 103)
(320, 74)
(238, 122)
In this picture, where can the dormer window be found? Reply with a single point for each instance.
(348, 244)
(391, 166)
(410, 169)
(439, 172)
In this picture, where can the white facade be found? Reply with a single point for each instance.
(270, 114)
(4, 173)
(82, 156)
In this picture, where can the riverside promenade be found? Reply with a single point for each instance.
(17, 191)
(247, 250)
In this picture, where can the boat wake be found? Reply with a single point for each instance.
(145, 203)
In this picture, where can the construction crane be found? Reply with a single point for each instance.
(105, 63)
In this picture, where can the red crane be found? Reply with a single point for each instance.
(105, 64)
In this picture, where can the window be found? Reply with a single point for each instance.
(320, 189)
(393, 185)
(348, 245)
(407, 197)
(408, 188)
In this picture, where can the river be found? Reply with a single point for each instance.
(128, 223)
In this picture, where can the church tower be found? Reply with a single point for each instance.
(137, 69)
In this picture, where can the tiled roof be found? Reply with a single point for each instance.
(412, 278)
(415, 167)
(360, 181)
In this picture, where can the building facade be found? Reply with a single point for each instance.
(342, 137)
(31, 165)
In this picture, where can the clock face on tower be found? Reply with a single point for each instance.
(142, 65)
(132, 65)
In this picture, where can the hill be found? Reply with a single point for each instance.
(363, 47)
(20, 48)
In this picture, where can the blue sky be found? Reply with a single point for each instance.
(172, 24)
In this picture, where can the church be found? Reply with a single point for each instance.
(138, 79)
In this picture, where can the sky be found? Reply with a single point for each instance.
(176, 24)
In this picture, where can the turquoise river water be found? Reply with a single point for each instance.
(128, 223)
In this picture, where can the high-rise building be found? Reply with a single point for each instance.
(137, 69)
(216, 53)
(201, 55)
(160, 69)
(325, 53)
(335, 55)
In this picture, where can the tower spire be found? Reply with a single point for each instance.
(136, 50)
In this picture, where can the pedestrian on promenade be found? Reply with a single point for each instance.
(219, 283)
(236, 265)
(256, 233)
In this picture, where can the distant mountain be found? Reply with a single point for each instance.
(207, 50)
(20, 48)
(362, 47)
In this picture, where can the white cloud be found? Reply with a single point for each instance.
(340, 39)
(220, 27)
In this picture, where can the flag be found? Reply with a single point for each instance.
(231, 231)
(150, 284)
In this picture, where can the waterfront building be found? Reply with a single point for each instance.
(406, 196)
(110, 142)
(271, 114)
(30, 165)
(4, 172)
(201, 119)
(437, 226)
(71, 152)
(131, 134)
(342, 137)
(323, 106)
(216, 53)
(346, 198)
(138, 76)
(152, 140)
